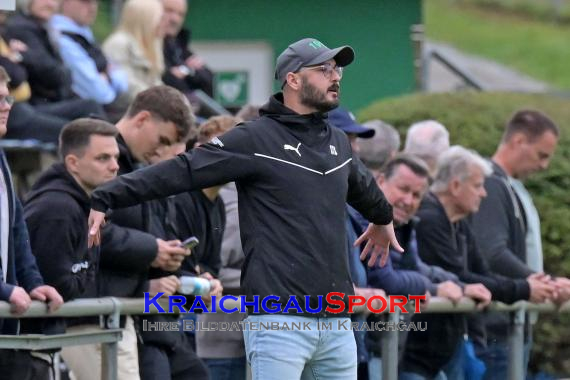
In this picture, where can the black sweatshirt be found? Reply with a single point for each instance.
(127, 246)
(449, 245)
(294, 174)
(56, 212)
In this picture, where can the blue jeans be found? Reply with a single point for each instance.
(227, 369)
(454, 368)
(415, 376)
(496, 358)
(306, 350)
(374, 367)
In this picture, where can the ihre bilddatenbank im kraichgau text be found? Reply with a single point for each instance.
(272, 305)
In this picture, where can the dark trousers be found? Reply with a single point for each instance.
(227, 369)
(44, 121)
(20, 365)
(177, 363)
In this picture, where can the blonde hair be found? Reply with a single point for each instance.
(141, 18)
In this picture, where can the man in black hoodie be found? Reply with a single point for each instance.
(89, 154)
(294, 173)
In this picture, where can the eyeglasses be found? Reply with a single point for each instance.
(6, 100)
(327, 70)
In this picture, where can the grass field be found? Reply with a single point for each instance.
(537, 48)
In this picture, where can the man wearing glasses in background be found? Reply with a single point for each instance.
(293, 172)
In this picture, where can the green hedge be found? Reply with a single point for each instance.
(476, 120)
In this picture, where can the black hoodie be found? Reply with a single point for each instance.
(294, 173)
(56, 213)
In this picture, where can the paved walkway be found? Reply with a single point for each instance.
(491, 75)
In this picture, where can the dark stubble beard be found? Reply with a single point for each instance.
(311, 97)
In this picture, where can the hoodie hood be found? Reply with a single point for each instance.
(275, 109)
(57, 178)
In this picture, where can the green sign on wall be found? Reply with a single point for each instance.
(230, 88)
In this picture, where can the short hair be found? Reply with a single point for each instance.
(426, 139)
(76, 135)
(414, 163)
(167, 104)
(248, 112)
(4, 76)
(455, 163)
(216, 126)
(376, 151)
(533, 124)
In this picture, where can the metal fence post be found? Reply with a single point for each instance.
(110, 350)
(516, 345)
(390, 347)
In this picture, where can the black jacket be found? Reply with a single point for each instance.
(176, 51)
(56, 212)
(294, 174)
(500, 227)
(449, 245)
(196, 215)
(49, 79)
(127, 250)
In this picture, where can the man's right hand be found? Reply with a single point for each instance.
(542, 288)
(170, 255)
(449, 290)
(479, 293)
(20, 300)
(168, 285)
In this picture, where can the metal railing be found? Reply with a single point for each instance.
(112, 308)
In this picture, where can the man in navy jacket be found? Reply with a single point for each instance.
(20, 279)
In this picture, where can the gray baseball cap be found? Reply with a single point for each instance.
(309, 52)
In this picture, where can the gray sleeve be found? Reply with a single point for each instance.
(492, 229)
(232, 252)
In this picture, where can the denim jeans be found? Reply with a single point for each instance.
(496, 358)
(227, 369)
(374, 367)
(307, 353)
(416, 376)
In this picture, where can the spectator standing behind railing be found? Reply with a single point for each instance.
(381, 148)
(445, 239)
(427, 139)
(158, 117)
(507, 224)
(89, 154)
(20, 279)
(184, 69)
(93, 76)
(136, 44)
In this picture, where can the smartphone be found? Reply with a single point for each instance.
(190, 243)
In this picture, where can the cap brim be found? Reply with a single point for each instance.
(343, 56)
(359, 130)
